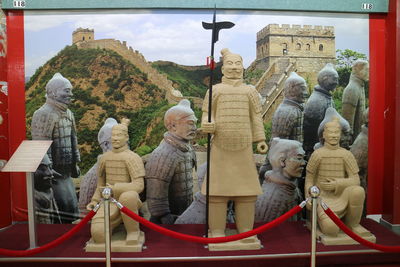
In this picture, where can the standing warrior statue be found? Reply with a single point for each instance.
(54, 121)
(334, 170)
(287, 122)
(354, 96)
(169, 178)
(236, 123)
(319, 101)
(122, 170)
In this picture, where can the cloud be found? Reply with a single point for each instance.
(33, 61)
(178, 36)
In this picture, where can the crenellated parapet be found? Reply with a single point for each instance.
(302, 30)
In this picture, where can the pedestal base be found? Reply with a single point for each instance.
(118, 244)
(250, 243)
(343, 239)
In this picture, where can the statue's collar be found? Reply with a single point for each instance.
(121, 149)
(57, 105)
(322, 91)
(177, 142)
(290, 102)
(354, 78)
(232, 82)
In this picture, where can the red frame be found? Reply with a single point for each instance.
(384, 148)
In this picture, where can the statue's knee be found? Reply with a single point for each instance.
(97, 232)
(357, 195)
(128, 196)
(130, 199)
(328, 227)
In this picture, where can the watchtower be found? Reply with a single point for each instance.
(310, 46)
(82, 35)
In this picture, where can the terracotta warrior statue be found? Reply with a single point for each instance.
(360, 151)
(287, 122)
(122, 170)
(280, 191)
(196, 212)
(354, 96)
(169, 178)
(334, 170)
(89, 181)
(319, 101)
(54, 121)
(236, 123)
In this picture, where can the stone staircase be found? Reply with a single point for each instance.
(271, 84)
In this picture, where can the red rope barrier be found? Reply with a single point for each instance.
(359, 239)
(56, 242)
(205, 240)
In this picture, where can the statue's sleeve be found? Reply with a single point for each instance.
(256, 116)
(351, 168)
(136, 171)
(159, 171)
(283, 123)
(42, 126)
(312, 171)
(74, 140)
(204, 108)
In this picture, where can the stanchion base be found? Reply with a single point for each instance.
(250, 243)
(344, 239)
(118, 244)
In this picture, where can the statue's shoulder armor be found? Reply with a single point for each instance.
(350, 161)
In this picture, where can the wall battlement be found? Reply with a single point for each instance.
(287, 29)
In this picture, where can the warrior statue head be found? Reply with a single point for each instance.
(332, 131)
(119, 134)
(180, 120)
(296, 88)
(287, 156)
(331, 113)
(59, 89)
(232, 67)
(328, 78)
(104, 135)
(360, 69)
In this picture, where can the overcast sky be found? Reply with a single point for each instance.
(177, 35)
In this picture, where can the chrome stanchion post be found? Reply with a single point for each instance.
(314, 193)
(107, 194)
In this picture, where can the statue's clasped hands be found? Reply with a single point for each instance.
(328, 185)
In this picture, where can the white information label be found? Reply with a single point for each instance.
(19, 3)
(28, 156)
(367, 6)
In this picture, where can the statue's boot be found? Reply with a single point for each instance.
(355, 210)
(353, 218)
(244, 214)
(217, 216)
(131, 200)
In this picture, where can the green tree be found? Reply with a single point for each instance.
(344, 62)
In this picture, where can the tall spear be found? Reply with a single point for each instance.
(215, 27)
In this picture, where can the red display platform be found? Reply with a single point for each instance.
(286, 245)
